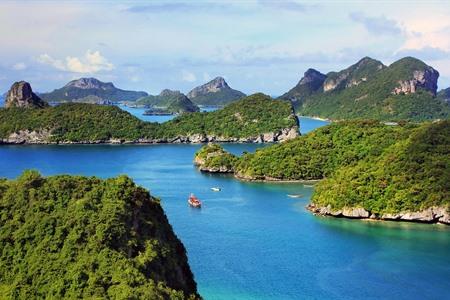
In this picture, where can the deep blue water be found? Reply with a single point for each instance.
(251, 241)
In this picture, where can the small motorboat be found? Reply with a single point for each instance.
(308, 185)
(295, 195)
(216, 189)
(194, 201)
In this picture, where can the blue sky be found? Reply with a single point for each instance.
(256, 45)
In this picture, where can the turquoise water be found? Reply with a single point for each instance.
(251, 241)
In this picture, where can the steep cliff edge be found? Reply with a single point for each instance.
(83, 237)
(21, 95)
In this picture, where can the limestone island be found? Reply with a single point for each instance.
(364, 169)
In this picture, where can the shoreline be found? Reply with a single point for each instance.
(316, 118)
(431, 215)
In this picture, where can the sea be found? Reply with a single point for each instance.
(252, 241)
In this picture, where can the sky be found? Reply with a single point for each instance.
(257, 46)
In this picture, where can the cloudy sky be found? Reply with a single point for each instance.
(256, 45)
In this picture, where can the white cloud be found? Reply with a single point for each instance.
(188, 76)
(92, 62)
(19, 66)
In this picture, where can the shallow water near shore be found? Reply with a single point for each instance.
(250, 240)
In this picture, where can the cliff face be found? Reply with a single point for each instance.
(45, 137)
(425, 79)
(436, 214)
(21, 95)
(310, 83)
(353, 75)
(215, 92)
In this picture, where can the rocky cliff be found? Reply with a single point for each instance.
(353, 75)
(310, 83)
(21, 95)
(404, 90)
(215, 92)
(436, 214)
(425, 79)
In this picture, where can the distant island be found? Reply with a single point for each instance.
(91, 90)
(365, 169)
(404, 90)
(254, 119)
(216, 92)
(76, 237)
(167, 102)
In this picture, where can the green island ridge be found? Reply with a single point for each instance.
(256, 118)
(404, 90)
(90, 90)
(76, 237)
(168, 101)
(366, 169)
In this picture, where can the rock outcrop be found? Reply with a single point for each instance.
(430, 215)
(353, 75)
(425, 79)
(21, 95)
(215, 92)
(44, 137)
(310, 83)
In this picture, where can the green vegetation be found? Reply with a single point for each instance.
(90, 90)
(365, 91)
(219, 98)
(382, 168)
(213, 157)
(410, 175)
(444, 95)
(318, 154)
(73, 237)
(171, 101)
(77, 122)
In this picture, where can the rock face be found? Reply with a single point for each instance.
(21, 95)
(44, 137)
(425, 79)
(90, 83)
(310, 83)
(214, 86)
(430, 215)
(353, 75)
(215, 92)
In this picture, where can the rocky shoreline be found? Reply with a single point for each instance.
(430, 215)
(44, 137)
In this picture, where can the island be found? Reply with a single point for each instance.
(216, 92)
(90, 90)
(254, 119)
(404, 90)
(84, 237)
(363, 169)
(168, 102)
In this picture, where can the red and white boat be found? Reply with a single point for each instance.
(194, 201)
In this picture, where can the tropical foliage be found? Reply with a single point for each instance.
(249, 117)
(73, 237)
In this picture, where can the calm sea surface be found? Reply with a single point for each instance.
(251, 241)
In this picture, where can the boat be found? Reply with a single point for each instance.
(308, 185)
(295, 195)
(194, 201)
(216, 189)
